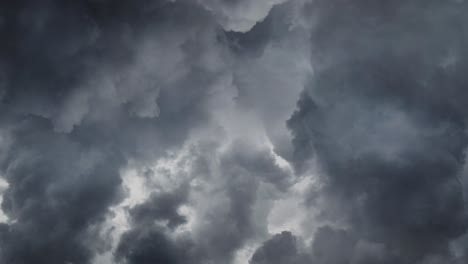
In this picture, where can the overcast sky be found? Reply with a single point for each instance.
(233, 132)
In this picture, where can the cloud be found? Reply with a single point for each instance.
(235, 132)
(151, 246)
(222, 195)
(53, 216)
(383, 118)
(281, 248)
(83, 97)
(240, 15)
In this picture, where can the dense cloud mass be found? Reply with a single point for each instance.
(233, 132)
(385, 116)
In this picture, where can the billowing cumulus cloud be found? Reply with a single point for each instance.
(384, 117)
(233, 131)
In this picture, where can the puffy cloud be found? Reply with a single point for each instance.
(166, 131)
(227, 200)
(281, 248)
(383, 116)
(83, 96)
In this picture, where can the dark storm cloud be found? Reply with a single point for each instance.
(80, 96)
(274, 26)
(281, 248)
(333, 246)
(162, 207)
(198, 92)
(234, 222)
(225, 228)
(87, 86)
(147, 246)
(63, 61)
(252, 42)
(330, 246)
(55, 215)
(149, 241)
(384, 115)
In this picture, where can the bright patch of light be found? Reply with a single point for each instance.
(118, 223)
(3, 187)
(138, 187)
(244, 254)
(289, 214)
(280, 161)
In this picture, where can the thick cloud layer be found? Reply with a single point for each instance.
(385, 117)
(215, 131)
(79, 99)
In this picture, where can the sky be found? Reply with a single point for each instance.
(233, 132)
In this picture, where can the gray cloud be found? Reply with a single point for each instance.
(82, 96)
(384, 116)
(240, 15)
(224, 194)
(54, 216)
(163, 131)
(281, 248)
(144, 246)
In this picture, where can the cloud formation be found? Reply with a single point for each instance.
(233, 131)
(384, 117)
